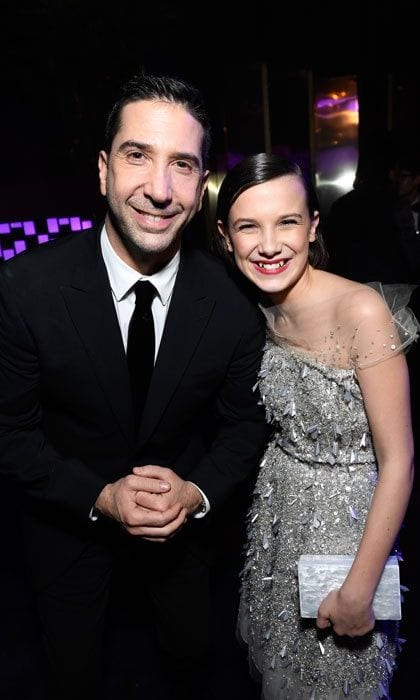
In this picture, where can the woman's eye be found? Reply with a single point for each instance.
(289, 222)
(246, 227)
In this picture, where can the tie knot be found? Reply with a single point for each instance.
(145, 292)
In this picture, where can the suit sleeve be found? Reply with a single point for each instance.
(242, 430)
(26, 456)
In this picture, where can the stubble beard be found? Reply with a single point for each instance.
(133, 239)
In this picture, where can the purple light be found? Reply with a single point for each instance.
(52, 225)
(29, 228)
(325, 103)
(349, 103)
(75, 223)
(17, 231)
(353, 105)
(20, 246)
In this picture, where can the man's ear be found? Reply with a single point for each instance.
(225, 237)
(103, 171)
(203, 186)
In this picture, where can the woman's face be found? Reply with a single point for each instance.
(269, 230)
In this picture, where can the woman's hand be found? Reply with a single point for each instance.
(346, 614)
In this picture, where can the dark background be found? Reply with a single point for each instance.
(62, 61)
(60, 64)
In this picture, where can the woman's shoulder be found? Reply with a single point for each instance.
(335, 285)
(353, 301)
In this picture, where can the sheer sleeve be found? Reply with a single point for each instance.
(386, 325)
(366, 324)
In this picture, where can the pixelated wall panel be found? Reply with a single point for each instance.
(18, 236)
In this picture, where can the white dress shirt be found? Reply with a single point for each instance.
(122, 279)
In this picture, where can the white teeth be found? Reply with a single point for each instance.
(152, 219)
(272, 266)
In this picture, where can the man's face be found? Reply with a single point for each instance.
(408, 184)
(154, 182)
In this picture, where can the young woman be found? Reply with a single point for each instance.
(337, 474)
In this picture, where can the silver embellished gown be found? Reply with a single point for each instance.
(312, 496)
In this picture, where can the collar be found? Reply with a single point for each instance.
(416, 205)
(122, 277)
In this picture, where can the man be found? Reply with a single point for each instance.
(371, 232)
(406, 175)
(102, 468)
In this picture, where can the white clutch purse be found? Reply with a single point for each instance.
(319, 574)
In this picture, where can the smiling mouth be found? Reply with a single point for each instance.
(154, 223)
(272, 266)
(154, 218)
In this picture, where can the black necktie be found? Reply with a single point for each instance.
(141, 345)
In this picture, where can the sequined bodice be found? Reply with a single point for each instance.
(316, 410)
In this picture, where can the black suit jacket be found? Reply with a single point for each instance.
(66, 425)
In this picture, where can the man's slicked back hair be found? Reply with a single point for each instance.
(164, 88)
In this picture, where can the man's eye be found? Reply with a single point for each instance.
(183, 165)
(135, 155)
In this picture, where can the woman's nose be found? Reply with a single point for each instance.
(270, 244)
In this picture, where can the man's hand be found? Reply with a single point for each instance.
(137, 503)
(181, 493)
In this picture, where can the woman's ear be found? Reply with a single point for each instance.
(314, 226)
(225, 237)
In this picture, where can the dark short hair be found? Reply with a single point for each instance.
(165, 88)
(259, 168)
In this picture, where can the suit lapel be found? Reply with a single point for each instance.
(89, 302)
(188, 315)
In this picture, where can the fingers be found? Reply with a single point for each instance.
(322, 622)
(152, 501)
(146, 517)
(348, 626)
(153, 471)
(145, 483)
(157, 526)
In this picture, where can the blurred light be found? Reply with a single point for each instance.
(344, 180)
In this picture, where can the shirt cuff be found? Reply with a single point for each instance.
(204, 507)
(94, 514)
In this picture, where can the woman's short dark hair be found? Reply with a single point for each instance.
(167, 89)
(259, 168)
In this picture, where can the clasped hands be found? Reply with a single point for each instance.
(152, 503)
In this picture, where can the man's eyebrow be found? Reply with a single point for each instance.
(134, 144)
(179, 155)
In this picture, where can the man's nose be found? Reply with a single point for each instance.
(158, 185)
